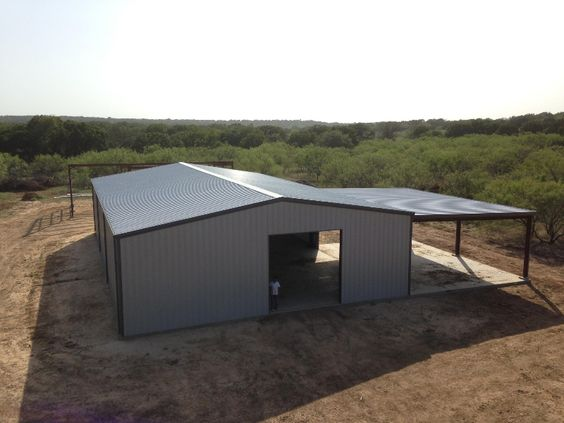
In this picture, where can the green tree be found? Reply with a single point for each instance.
(546, 164)
(44, 135)
(77, 138)
(283, 155)
(358, 132)
(547, 198)
(388, 130)
(466, 184)
(12, 170)
(419, 130)
(157, 128)
(311, 159)
(301, 137)
(335, 138)
(255, 160)
(50, 167)
(273, 133)
(4, 158)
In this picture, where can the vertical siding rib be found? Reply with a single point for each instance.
(111, 262)
(100, 220)
(103, 242)
(95, 214)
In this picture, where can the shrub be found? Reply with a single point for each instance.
(48, 168)
(547, 198)
(30, 196)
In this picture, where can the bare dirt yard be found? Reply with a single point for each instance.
(493, 355)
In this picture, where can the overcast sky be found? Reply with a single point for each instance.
(345, 61)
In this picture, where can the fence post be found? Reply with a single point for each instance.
(70, 192)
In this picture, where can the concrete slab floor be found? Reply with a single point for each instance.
(310, 278)
(434, 270)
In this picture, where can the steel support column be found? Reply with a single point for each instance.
(457, 243)
(70, 192)
(529, 230)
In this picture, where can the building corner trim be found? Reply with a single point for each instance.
(410, 252)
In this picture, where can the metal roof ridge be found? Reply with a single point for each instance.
(244, 184)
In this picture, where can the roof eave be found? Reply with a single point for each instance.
(472, 216)
(250, 206)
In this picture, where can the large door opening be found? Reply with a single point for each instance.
(308, 267)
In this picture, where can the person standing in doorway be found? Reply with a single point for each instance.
(274, 287)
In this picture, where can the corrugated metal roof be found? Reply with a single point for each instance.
(148, 198)
(295, 190)
(427, 204)
(160, 195)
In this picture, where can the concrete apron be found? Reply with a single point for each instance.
(434, 270)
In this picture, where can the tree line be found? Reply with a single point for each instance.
(41, 135)
(520, 170)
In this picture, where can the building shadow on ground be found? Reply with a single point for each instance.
(79, 370)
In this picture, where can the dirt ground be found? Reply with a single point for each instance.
(476, 356)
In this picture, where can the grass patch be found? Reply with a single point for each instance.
(8, 200)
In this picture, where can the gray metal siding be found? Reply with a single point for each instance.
(95, 210)
(101, 219)
(103, 239)
(216, 269)
(106, 243)
(98, 221)
(111, 263)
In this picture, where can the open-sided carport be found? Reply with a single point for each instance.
(433, 207)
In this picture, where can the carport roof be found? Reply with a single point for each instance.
(429, 205)
(160, 196)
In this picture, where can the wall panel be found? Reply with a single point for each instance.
(216, 269)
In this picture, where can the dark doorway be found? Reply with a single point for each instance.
(308, 266)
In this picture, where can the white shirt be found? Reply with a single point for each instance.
(274, 286)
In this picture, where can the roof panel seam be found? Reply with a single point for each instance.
(252, 187)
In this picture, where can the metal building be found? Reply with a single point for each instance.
(186, 245)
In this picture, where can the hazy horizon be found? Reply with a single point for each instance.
(321, 61)
(126, 118)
